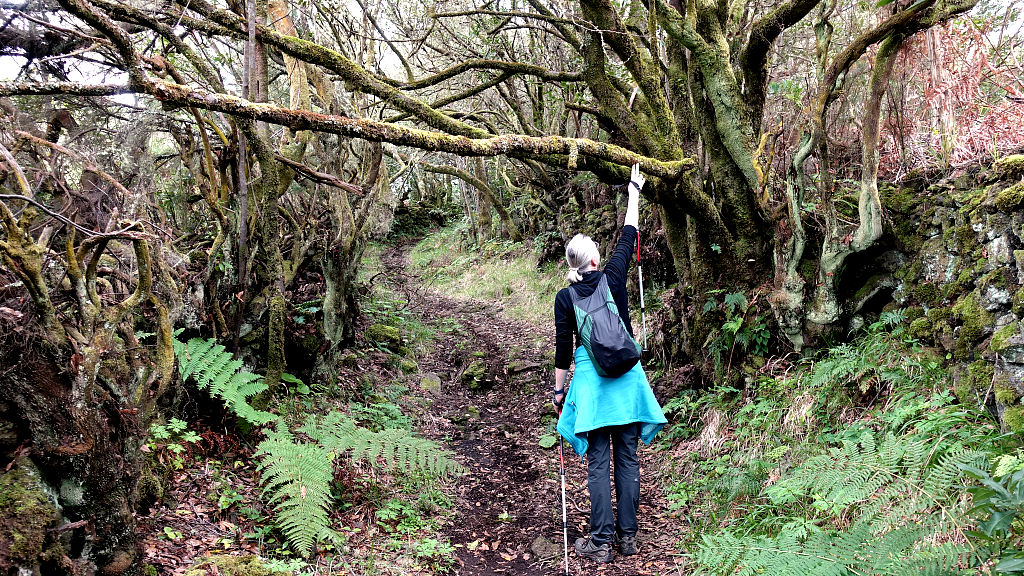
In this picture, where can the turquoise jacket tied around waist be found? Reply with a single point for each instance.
(595, 402)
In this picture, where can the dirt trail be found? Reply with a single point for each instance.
(508, 517)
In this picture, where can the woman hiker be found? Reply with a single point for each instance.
(603, 414)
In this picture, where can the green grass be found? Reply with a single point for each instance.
(503, 272)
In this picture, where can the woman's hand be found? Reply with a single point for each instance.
(636, 179)
(636, 183)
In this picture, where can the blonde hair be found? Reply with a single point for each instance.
(580, 253)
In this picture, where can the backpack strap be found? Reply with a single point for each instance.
(575, 295)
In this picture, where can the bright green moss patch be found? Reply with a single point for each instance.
(998, 343)
(1013, 419)
(1012, 165)
(920, 329)
(1011, 198)
(235, 566)
(26, 515)
(974, 321)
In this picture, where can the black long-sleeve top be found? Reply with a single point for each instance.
(566, 332)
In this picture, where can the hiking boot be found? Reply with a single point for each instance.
(586, 548)
(625, 543)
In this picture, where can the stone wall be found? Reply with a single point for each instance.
(961, 278)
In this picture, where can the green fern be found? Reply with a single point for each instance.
(215, 369)
(855, 551)
(898, 494)
(393, 447)
(297, 480)
(297, 475)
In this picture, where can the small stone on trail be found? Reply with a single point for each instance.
(544, 549)
(430, 381)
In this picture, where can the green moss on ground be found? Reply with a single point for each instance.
(387, 336)
(26, 515)
(234, 566)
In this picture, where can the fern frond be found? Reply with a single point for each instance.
(297, 477)
(216, 370)
(393, 447)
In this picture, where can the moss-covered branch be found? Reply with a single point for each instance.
(511, 144)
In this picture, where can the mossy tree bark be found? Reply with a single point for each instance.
(84, 397)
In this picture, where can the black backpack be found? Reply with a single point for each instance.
(609, 345)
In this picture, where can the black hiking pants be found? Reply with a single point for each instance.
(623, 441)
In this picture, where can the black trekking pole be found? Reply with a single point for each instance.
(565, 526)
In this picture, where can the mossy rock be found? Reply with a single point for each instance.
(939, 314)
(1001, 336)
(384, 335)
(1013, 419)
(920, 329)
(408, 365)
(475, 376)
(979, 374)
(963, 393)
(1010, 166)
(966, 238)
(350, 360)
(926, 293)
(901, 200)
(975, 321)
(26, 515)
(1017, 306)
(430, 382)
(998, 278)
(1006, 395)
(913, 313)
(224, 565)
(1011, 198)
(150, 487)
